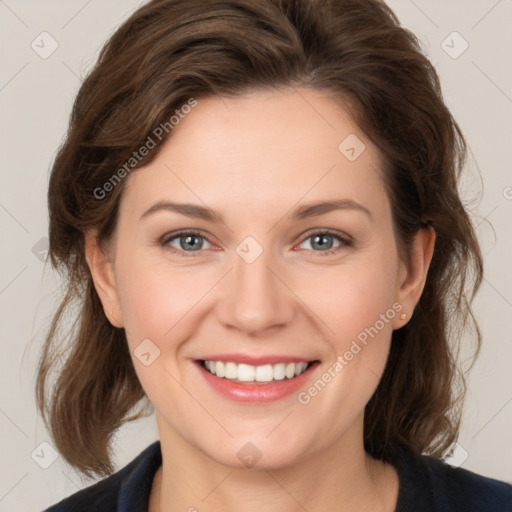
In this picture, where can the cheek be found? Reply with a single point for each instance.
(153, 298)
(356, 304)
(352, 297)
(154, 302)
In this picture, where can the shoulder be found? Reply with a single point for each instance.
(461, 489)
(118, 489)
(438, 486)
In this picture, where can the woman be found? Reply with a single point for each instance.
(256, 208)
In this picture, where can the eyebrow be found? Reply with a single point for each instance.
(304, 211)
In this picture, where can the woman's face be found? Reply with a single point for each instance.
(265, 282)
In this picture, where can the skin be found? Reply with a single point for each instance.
(268, 152)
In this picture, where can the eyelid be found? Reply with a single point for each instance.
(334, 232)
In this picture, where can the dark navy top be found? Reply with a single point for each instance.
(427, 484)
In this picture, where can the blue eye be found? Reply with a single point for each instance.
(193, 240)
(321, 239)
(186, 240)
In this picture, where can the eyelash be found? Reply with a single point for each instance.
(164, 241)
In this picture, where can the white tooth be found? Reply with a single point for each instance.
(299, 368)
(245, 372)
(231, 371)
(249, 373)
(220, 370)
(279, 371)
(264, 373)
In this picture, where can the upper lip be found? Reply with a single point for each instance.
(255, 360)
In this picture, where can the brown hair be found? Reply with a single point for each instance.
(171, 50)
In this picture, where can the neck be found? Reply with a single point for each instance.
(341, 477)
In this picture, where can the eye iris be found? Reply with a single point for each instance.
(188, 239)
(322, 244)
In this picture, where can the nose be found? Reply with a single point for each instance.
(256, 297)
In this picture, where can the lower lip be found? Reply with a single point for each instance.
(256, 392)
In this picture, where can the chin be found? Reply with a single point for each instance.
(251, 452)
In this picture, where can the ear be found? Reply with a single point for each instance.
(102, 272)
(412, 279)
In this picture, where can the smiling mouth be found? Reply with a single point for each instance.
(249, 374)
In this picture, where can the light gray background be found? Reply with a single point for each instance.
(36, 96)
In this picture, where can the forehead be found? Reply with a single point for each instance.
(262, 150)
